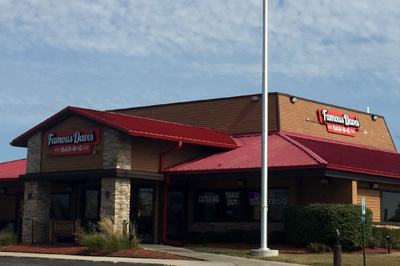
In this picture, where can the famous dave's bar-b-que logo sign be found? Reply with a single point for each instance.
(339, 123)
(73, 142)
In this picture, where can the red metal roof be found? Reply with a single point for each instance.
(248, 156)
(11, 170)
(354, 158)
(137, 126)
(295, 151)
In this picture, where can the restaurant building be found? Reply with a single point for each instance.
(196, 166)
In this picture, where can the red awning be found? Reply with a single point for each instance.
(137, 126)
(296, 151)
(10, 171)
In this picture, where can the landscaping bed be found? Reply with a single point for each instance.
(70, 250)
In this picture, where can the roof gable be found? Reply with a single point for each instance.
(135, 126)
(12, 170)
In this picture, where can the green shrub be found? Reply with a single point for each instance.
(8, 237)
(316, 223)
(94, 242)
(379, 237)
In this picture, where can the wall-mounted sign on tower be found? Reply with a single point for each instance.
(73, 142)
(339, 123)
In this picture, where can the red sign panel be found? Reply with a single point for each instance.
(73, 142)
(339, 123)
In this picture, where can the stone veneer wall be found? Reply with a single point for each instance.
(36, 209)
(34, 153)
(117, 150)
(117, 205)
(117, 154)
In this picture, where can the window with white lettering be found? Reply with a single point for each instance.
(207, 206)
(239, 205)
(233, 206)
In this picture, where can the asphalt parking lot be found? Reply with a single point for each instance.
(53, 262)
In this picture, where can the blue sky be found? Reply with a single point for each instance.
(116, 54)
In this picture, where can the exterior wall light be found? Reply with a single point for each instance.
(293, 99)
(241, 183)
(30, 195)
(255, 98)
(374, 185)
(107, 194)
(325, 181)
(374, 117)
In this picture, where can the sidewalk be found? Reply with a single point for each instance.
(214, 259)
(204, 259)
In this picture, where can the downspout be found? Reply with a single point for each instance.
(165, 202)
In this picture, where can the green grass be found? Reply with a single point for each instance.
(324, 259)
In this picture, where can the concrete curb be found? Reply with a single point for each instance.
(113, 259)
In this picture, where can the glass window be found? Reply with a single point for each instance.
(278, 201)
(253, 205)
(91, 208)
(146, 202)
(233, 207)
(390, 202)
(175, 206)
(207, 204)
(60, 209)
(239, 205)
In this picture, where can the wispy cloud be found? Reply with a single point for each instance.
(131, 27)
(334, 38)
(313, 38)
(112, 54)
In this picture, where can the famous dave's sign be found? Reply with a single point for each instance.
(339, 123)
(73, 142)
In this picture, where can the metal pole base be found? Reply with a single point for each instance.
(337, 255)
(264, 252)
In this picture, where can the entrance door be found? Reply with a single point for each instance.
(143, 213)
(90, 207)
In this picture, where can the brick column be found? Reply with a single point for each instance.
(36, 209)
(115, 200)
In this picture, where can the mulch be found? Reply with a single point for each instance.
(70, 250)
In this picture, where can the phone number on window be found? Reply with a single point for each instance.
(275, 201)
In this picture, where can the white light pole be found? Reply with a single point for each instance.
(264, 251)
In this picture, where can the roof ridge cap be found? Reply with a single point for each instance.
(12, 161)
(340, 142)
(306, 150)
(97, 116)
(150, 119)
